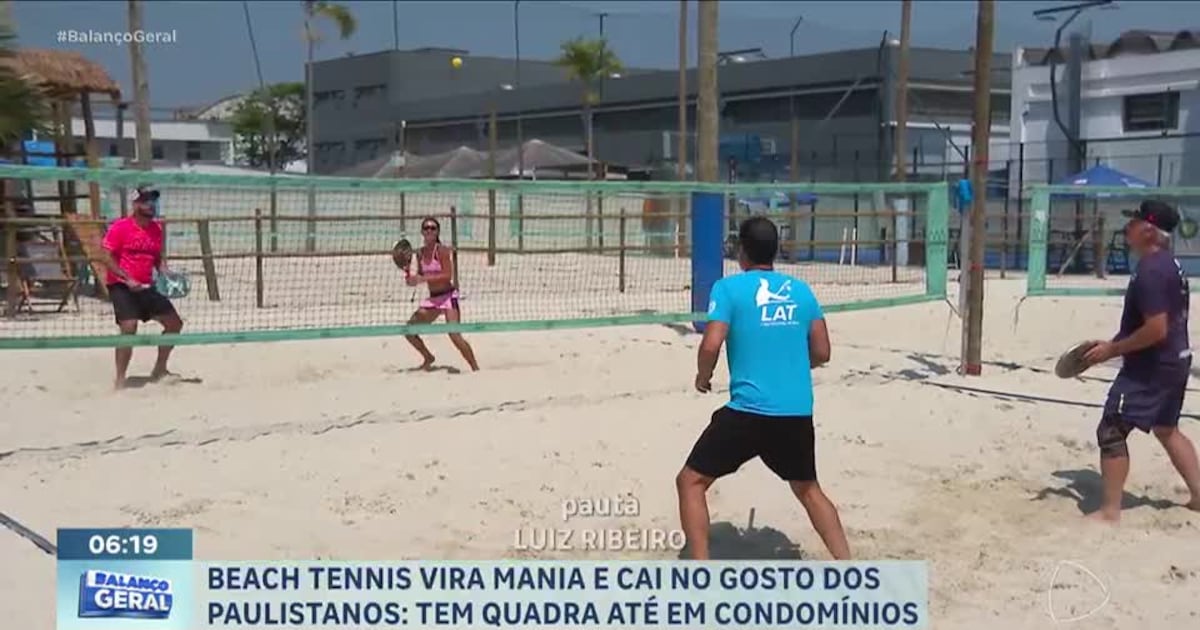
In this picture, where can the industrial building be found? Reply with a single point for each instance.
(839, 106)
(1132, 108)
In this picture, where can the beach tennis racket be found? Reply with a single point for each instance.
(402, 255)
(1071, 363)
(173, 284)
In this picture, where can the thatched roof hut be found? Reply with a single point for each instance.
(64, 74)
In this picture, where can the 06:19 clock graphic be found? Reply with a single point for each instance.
(106, 577)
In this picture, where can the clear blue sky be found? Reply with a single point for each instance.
(212, 57)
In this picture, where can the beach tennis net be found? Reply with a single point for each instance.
(1077, 236)
(296, 257)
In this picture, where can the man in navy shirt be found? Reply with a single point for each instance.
(776, 334)
(1153, 340)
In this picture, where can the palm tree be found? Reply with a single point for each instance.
(22, 106)
(141, 90)
(346, 25)
(588, 61)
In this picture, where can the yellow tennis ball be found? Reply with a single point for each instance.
(456, 62)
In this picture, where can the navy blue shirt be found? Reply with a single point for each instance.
(769, 315)
(1158, 285)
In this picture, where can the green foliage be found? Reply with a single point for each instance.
(339, 14)
(588, 61)
(281, 104)
(23, 107)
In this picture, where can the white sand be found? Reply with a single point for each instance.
(330, 449)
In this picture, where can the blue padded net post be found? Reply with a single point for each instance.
(708, 259)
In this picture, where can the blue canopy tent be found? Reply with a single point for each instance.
(1096, 176)
(1101, 176)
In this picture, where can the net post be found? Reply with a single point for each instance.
(621, 251)
(600, 219)
(491, 237)
(708, 262)
(210, 271)
(521, 218)
(1101, 261)
(403, 220)
(13, 290)
(937, 234)
(274, 211)
(259, 288)
(1035, 278)
(454, 241)
(310, 243)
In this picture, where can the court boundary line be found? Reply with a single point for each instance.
(37, 539)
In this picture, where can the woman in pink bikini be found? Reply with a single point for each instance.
(435, 267)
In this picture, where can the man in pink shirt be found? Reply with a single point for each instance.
(135, 246)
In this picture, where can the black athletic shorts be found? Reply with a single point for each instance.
(786, 444)
(144, 305)
(1145, 403)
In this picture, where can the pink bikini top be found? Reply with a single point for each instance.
(434, 265)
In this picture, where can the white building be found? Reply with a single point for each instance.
(172, 141)
(1136, 101)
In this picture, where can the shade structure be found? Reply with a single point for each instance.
(1101, 176)
(461, 163)
(538, 155)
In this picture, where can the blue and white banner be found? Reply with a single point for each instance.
(176, 595)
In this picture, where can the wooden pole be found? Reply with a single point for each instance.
(681, 161)
(121, 190)
(89, 144)
(141, 90)
(621, 253)
(901, 135)
(681, 141)
(707, 125)
(454, 241)
(492, 141)
(13, 290)
(210, 269)
(600, 210)
(259, 288)
(972, 350)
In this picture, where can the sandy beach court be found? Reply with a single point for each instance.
(335, 450)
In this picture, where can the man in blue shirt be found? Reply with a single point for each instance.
(776, 334)
(1153, 341)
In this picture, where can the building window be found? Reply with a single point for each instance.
(195, 152)
(113, 149)
(369, 148)
(367, 93)
(328, 98)
(1151, 112)
(156, 151)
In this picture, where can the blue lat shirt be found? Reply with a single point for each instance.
(769, 315)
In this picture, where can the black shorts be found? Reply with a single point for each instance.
(144, 305)
(786, 444)
(1151, 402)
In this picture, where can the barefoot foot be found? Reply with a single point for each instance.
(119, 384)
(1101, 516)
(1194, 504)
(159, 374)
(427, 365)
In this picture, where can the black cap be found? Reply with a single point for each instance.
(1160, 215)
(144, 193)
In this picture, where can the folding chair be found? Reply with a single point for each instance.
(46, 272)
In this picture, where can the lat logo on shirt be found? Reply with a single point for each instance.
(775, 306)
